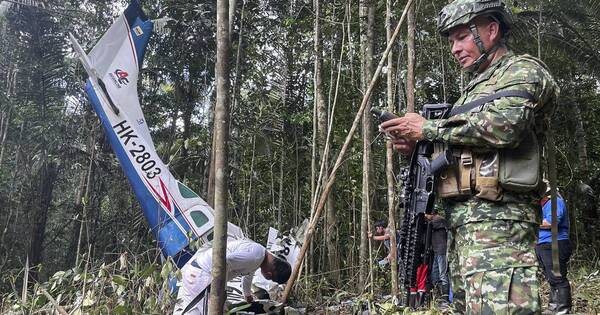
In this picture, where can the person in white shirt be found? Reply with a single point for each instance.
(243, 258)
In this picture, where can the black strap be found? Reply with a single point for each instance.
(467, 107)
(196, 300)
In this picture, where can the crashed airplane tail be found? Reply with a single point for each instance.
(176, 215)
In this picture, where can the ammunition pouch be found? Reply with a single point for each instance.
(520, 167)
(487, 175)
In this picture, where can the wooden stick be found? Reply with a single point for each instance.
(53, 301)
(338, 162)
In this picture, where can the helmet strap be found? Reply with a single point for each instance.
(484, 54)
(477, 38)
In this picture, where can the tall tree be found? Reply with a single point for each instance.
(322, 127)
(410, 68)
(221, 134)
(389, 169)
(367, 20)
(38, 86)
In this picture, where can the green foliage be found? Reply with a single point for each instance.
(129, 285)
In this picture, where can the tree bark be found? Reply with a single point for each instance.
(86, 198)
(280, 198)
(367, 18)
(11, 189)
(211, 168)
(390, 157)
(581, 142)
(4, 132)
(219, 272)
(46, 180)
(250, 182)
(322, 127)
(231, 18)
(410, 71)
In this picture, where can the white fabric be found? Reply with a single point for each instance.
(193, 280)
(243, 258)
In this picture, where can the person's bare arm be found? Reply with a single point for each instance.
(381, 237)
(545, 225)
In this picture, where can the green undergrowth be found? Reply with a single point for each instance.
(585, 285)
(584, 276)
(125, 286)
(135, 285)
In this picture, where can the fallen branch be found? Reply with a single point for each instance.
(53, 301)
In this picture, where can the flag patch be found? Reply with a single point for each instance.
(138, 31)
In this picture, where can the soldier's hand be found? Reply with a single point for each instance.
(409, 127)
(403, 146)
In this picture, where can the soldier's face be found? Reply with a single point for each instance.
(463, 46)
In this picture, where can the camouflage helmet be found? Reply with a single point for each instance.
(461, 12)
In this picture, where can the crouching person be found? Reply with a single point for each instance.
(243, 258)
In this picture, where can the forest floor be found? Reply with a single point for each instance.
(130, 286)
(584, 278)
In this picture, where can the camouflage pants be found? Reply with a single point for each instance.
(493, 268)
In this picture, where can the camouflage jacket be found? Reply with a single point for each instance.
(500, 124)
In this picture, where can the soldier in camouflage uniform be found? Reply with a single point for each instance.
(490, 193)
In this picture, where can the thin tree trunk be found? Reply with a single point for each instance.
(84, 178)
(390, 157)
(318, 112)
(250, 182)
(280, 201)
(236, 78)
(231, 18)
(187, 109)
(367, 17)
(46, 180)
(354, 230)
(581, 142)
(211, 169)
(296, 180)
(539, 31)
(322, 127)
(4, 133)
(319, 99)
(11, 190)
(219, 271)
(86, 201)
(10, 85)
(410, 71)
(338, 162)
(272, 190)
(71, 260)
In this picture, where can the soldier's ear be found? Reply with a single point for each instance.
(494, 31)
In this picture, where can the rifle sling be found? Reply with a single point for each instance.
(467, 107)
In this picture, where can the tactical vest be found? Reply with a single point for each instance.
(489, 173)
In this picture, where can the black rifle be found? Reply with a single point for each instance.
(417, 199)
